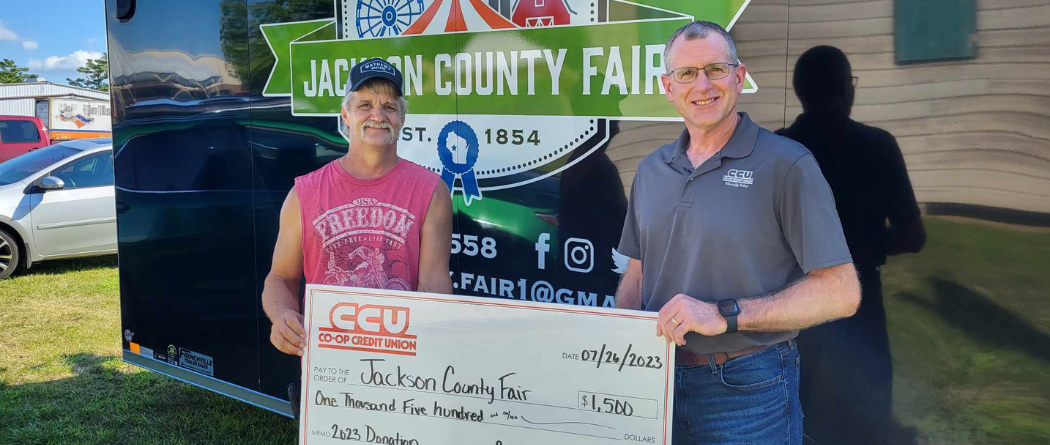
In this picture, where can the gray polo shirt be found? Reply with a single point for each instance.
(747, 222)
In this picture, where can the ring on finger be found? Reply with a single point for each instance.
(674, 321)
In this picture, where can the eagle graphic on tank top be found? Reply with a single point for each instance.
(364, 244)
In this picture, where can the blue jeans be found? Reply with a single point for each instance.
(752, 399)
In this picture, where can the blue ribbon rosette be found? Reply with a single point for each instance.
(451, 156)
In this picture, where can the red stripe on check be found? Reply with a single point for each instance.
(358, 348)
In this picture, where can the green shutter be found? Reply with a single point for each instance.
(927, 30)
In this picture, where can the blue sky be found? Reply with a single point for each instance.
(52, 37)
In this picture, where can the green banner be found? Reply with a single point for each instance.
(607, 69)
(279, 37)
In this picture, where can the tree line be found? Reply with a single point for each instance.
(95, 74)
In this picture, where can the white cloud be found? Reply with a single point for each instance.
(6, 33)
(70, 62)
(92, 41)
(29, 45)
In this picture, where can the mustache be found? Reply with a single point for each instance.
(374, 124)
(392, 138)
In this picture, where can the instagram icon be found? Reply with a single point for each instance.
(579, 255)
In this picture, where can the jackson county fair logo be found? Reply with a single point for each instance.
(500, 95)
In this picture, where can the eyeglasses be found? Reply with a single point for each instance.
(714, 71)
(856, 80)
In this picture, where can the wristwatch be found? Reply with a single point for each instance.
(729, 309)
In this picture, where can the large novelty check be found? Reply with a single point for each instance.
(410, 368)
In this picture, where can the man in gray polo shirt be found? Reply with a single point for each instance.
(735, 240)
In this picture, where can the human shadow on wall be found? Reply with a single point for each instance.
(846, 373)
(592, 206)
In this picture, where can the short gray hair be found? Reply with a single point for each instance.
(699, 30)
(378, 86)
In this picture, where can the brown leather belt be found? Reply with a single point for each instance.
(686, 358)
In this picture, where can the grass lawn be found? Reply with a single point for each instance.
(62, 380)
(969, 324)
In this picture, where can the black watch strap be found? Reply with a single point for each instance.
(730, 324)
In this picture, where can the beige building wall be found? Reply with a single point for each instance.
(973, 131)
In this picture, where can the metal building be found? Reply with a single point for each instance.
(73, 111)
(20, 98)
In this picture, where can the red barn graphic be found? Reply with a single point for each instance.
(534, 13)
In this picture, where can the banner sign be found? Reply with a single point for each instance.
(561, 68)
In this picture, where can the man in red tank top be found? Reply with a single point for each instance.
(369, 219)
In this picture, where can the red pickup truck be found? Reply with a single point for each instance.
(19, 134)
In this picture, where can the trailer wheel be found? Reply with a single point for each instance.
(9, 255)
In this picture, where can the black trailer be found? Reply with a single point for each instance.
(219, 104)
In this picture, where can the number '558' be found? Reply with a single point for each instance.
(468, 245)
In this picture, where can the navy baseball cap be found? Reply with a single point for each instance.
(373, 68)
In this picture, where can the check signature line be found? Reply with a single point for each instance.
(566, 423)
(556, 431)
(495, 423)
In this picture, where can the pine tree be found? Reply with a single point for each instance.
(97, 72)
(12, 73)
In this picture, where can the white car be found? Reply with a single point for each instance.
(57, 202)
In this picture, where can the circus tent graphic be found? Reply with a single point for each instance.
(458, 15)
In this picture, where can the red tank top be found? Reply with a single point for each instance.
(364, 232)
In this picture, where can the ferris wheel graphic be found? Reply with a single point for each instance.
(384, 18)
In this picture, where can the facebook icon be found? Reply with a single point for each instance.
(542, 247)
